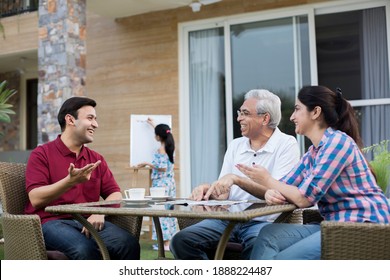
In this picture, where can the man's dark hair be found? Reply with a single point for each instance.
(71, 107)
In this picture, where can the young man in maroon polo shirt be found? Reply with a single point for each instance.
(65, 171)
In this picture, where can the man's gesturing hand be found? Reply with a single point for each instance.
(80, 175)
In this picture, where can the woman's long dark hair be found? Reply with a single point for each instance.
(337, 111)
(164, 132)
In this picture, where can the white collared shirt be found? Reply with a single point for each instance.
(278, 156)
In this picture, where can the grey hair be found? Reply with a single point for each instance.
(267, 102)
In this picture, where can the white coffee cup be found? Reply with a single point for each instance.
(157, 191)
(135, 193)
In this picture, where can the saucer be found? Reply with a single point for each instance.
(137, 201)
(136, 206)
(164, 197)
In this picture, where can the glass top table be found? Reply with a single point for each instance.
(236, 213)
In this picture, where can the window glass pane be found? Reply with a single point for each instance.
(338, 52)
(374, 124)
(266, 55)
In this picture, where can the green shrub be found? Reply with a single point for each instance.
(381, 162)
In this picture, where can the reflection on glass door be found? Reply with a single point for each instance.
(273, 55)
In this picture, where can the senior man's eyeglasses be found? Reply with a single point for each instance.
(246, 113)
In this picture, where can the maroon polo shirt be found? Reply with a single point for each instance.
(50, 162)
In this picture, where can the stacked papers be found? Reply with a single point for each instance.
(203, 202)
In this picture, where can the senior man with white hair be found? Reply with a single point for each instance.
(262, 143)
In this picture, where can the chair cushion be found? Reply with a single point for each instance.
(234, 247)
(56, 255)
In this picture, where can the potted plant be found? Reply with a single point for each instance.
(381, 162)
(5, 110)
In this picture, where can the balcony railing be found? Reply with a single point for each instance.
(14, 7)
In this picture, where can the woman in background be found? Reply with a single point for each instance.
(163, 176)
(332, 174)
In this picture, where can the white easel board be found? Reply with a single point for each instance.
(142, 138)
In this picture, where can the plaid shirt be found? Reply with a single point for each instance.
(336, 176)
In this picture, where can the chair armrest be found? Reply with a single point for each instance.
(186, 222)
(23, 238)
(311, 216)
(132, 224)
(354, 241)
(293, 217)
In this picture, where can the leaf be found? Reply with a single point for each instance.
(7, 111)
(5, 95)
(4, 118)
(5, 106)
(2, 85)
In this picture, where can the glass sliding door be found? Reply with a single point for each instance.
(272, 54)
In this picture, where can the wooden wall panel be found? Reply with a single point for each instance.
(132, 68)
(21, 33)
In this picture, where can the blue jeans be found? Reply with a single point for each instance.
(192, 242)
(66, 236)
(288, 242)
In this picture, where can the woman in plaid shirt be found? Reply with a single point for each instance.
(332, 174)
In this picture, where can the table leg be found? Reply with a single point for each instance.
(223, 241)
(95, 234)
(160, 240)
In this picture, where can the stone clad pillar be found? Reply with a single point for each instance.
(61, 60)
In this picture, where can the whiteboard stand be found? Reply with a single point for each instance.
(134, 184)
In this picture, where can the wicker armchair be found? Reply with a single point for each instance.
(23, 238)
(233, 250)
(350, 241)
(355, 241)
